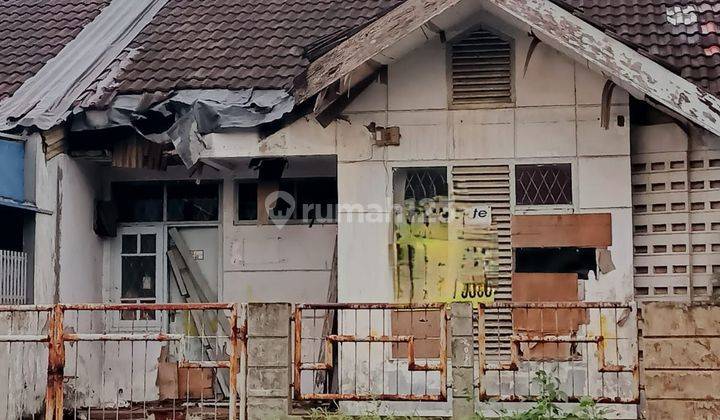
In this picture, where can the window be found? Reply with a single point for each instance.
(480, 69)
(139, 269)
(247, 201)
(181, 201)
(187, 201)
(138, 202)
(315, 199)
(543, 184)
(307, 200)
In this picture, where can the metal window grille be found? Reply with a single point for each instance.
(481, 69)
(543, 184)
(426, 183)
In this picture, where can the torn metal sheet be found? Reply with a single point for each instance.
(639, 75)
(192, 114)
(45, 100)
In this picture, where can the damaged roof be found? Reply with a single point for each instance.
(683, 34)
(238, 44)
(33, 32)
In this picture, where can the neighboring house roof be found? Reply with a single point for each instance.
(33, 32)
(237, 44)
(682, 33)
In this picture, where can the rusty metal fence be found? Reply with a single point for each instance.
(123, 361)
(364, 352)
(398, 352)
(589, 347)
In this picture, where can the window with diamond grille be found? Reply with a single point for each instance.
(543, 184)
(480, 66)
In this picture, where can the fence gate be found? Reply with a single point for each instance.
(370, 352)
(123, 361)
(589, 347)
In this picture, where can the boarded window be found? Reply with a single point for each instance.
(481, 69)
(543, 184)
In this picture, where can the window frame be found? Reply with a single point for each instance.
(263, 219)
(449, 71)
(544, 208)
(163, 185)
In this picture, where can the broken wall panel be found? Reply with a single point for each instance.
(565, 230)
(535, 323)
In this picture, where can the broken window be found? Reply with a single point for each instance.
(481, 69)
(543, 184)
(138, 202)
(556, 260)
(182, 201)
(188, 201)
(247, 201)
(315, 200)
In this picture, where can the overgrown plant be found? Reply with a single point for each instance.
(547, 405)
(374, 414)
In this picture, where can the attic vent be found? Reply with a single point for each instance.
(481, 69)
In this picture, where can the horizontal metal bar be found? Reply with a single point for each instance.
(24, 338)
(205, 364)
(26, 308)
(370, 338)
(370, 306)
(315, 366)
(122, 337)
(554, 339)
(557, 305)
(146, 306)
(372, 397)
(425, 367)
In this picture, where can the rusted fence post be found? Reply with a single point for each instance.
(234, 362)
(56, 366)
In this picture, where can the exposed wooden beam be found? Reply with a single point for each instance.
(370, 41)
(639, 75)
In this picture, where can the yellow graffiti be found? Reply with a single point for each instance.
(444, 261)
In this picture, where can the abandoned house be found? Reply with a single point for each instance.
(237, 209)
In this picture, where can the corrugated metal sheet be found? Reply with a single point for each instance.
(481, 69)
(490, 185)
(45, 99)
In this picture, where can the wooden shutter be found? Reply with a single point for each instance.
(481, 69)
(490, 185)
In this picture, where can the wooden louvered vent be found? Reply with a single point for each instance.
(481, 69)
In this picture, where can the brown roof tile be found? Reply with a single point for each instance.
(236, 44)
(34, 31)
(682, 33)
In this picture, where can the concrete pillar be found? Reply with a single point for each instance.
(269, 361)
(462, 358)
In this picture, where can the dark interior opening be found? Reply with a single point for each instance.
(556, 260)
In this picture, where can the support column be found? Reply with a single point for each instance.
(268, 366)
(463, 395)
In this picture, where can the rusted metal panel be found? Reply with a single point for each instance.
(366, 44)
(629, 69)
